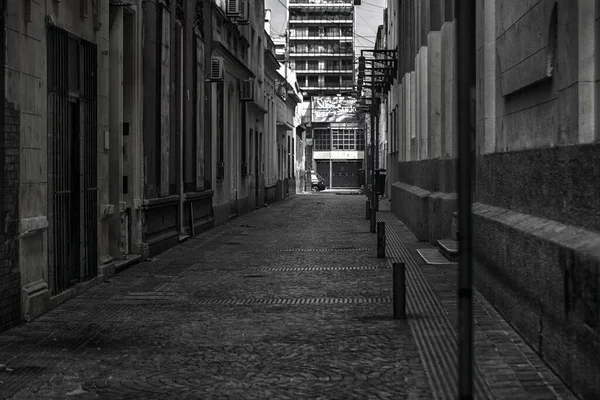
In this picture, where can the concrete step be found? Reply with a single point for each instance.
(449, 248)
(433, 256)
(128, 261)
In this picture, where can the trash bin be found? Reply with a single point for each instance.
(380, 181)
(361, 177)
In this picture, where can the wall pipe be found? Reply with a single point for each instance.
(466, 23)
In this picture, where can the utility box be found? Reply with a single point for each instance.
(379, 186)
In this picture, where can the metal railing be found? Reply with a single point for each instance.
(321, 19)
(323, 70)
(326, 87)
(318, 36)
(345, 53)
(312, 3)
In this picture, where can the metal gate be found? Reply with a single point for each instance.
(72, 149)
(344, 174)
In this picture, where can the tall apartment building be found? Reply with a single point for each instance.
(321, 51)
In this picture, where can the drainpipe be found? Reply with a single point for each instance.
(465, 20)
(208, 132)
(2, 93)
(182, 59)
(372, 160)
(376, 148)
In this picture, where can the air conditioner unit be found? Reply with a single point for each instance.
(233, 8)
(244, 18)
(217, 69)
(247, 90)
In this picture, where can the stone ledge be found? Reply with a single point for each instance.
(33, 225)
(574, 238)
(427, 214)
(192, 196)
(542, 275)
(35, 299)
(158, 202)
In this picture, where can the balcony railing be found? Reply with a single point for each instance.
(321, 20)
(328, 3)
(341, 53)
(337, 70)
(350, 2)
(314, 86)
(321, 37)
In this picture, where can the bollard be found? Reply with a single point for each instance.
(381, 240)
(373, 219)
(368, 210)
(399, 290)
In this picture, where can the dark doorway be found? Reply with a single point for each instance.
(344, 174)
(72, 166)
(323, 170)
(257, 138)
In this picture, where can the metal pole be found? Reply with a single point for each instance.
(373, 157)
(465, 17)
(372, 160)
(381, 239)
(373, 219)
(376, 147)
(399, 290)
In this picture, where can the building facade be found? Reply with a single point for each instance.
(270, 100)
(536, 146)
(56, 176)
(118, 140)
(321, 52)
(177, 191)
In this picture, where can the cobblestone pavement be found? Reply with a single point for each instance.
(288, 302)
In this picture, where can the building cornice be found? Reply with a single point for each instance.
(232, 59)
(221, 14)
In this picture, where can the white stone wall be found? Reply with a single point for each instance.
(449, 90)
(434, 95)
(535, 108)
(543, 107)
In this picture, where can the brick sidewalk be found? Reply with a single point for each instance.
(506, 367)
(288, 302)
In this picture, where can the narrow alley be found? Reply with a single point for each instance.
(288, 302)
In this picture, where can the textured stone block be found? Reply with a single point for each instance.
(556, 183)
(441, 207)
(33, 225)
(410, 205)
(34, 131)
(35, 298)
(543, 277)
(33, 199)
(524, 45)
(34, 163)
